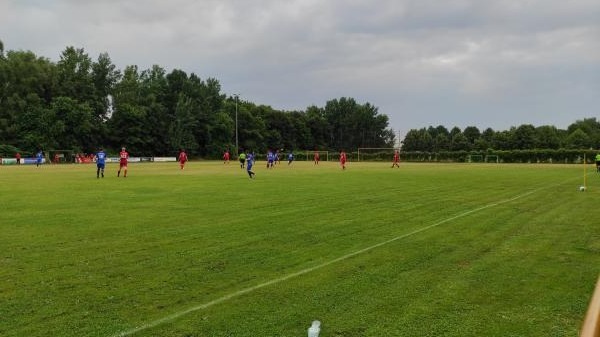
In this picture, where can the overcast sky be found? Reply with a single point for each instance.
(421, 62)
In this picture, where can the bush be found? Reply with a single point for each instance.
(8, 150)
(564, 156)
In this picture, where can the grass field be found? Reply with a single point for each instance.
(424, 250)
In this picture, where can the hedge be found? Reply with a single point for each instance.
(561, 156)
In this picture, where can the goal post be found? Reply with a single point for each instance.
(63, 156)
(492, 158)
(310, 155)
(376, 153)
(475, 158)
(480, 158)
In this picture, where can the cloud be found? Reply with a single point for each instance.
(454, 62)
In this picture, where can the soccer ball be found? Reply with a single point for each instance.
(582, 188)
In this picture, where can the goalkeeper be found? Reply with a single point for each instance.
(242, 159)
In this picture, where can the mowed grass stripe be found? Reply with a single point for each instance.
(482, 275)
(258, 233)
(311, 269)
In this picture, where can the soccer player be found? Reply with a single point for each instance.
(100, 162)
(290, 157)
(250, 162)
(316, 158)
(343, 159)
(18, 156)
(123, 155)
(270, 159)
(396, 159)
(242, 159)
(226, 157)
(38, 158)
(598, 162)
(182, 158)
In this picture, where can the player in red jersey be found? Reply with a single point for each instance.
(123, 156)
(316, 158)
(182, 158)
(226, 157)
(343, 159)
(396, 159)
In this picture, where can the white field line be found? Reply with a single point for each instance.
(322, 265)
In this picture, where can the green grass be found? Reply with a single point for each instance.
(82, 256)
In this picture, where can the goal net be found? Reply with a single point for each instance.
(60, 156)
(376, 153)
(475, 158)
(492, 158)
(478, 158)
(309, 155)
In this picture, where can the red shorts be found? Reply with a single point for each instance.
(123, 165)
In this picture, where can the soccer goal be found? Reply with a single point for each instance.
(475, 158)
(376, 153)
(310, 155)
(60, 156)
(492, 158)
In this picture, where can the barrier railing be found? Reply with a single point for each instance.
(591, 324)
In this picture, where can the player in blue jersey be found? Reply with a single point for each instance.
(290, 157)
(100, 162)
(38, 158)
(270, 159)
(277, 157)
(249, 163)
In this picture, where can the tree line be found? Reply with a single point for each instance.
(81, 104)
(582, 134)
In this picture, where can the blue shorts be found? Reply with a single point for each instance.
(100, 165)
